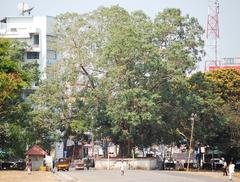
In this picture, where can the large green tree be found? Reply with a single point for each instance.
(13, 79)
(180, 48)
(123, 73)
(54, 114)
(145, 65)
(216, 101)
(226, 85)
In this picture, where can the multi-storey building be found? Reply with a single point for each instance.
(227, 63)
(37, 33)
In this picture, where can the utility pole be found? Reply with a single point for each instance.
(133, 156)
(191, 138)
(108, 161)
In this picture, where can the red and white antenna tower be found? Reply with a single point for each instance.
(212, 32)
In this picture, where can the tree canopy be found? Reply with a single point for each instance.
(13, 79)
(125, 77)
(122, 71)
(223, 84)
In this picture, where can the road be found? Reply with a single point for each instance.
(138, 176)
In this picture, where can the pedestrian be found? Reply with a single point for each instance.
(29, 166)
(122, 168)
(225, 173)
(87, 163)
(54, 165)
(231, 169)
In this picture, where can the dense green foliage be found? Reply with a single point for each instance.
(13, 111)
(220, 91)
(12, 78)
(120, 75)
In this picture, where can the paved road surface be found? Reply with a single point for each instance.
(137, 176)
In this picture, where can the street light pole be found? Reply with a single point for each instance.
(191, 138)
(108, 161)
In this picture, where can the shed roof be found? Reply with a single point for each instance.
(36, 150)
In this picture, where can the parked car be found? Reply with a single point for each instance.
(63, 164)
(92, 163)
(89, 162)
(237, 165)
(216, 163)
(8, 165)
(169, 164)
(20, 165)
(79, 164)
(84, 163)
(216, 160)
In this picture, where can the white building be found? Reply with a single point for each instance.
(37, 32)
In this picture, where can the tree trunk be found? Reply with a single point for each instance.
(129, 146)
(121, 149)
(73, 152)
(64, 146)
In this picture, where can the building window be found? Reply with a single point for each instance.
(231, 60)
(36, 39)
(32, 55)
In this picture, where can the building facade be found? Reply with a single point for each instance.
(37, 33)
(227, 63)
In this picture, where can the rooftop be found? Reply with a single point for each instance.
(36, 150)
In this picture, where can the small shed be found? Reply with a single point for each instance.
(37, 156)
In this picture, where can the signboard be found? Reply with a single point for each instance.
(59, 150)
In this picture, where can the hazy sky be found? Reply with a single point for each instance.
(229, 13)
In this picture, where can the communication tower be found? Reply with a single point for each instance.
(212, 34)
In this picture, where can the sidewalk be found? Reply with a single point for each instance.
(22, 176)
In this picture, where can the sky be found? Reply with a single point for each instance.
(229, 13)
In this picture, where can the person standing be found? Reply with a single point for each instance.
(29, 166)
(225, 173)
(88, 163)
(54, 162)
(122, 168)
(231, 169)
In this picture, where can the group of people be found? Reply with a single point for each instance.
(228, 170)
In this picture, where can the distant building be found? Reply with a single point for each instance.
(227, 63)
(37, 32)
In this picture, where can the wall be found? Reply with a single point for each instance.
(37, 161)
(40, 24)
(129, 163)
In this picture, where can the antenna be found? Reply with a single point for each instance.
(212, 32)
(24, 8)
